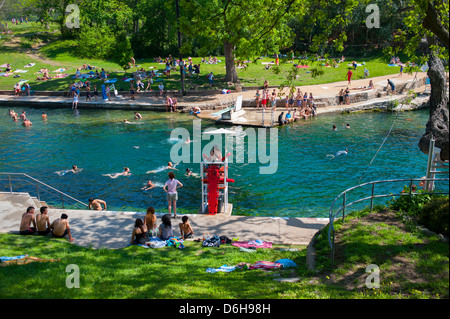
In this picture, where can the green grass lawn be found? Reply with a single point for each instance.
(62, 53)
(411, 266)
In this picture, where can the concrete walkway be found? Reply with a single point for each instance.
(113, 229)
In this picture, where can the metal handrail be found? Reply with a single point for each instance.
(42, 187)
(332, 216)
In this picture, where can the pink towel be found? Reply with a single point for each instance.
(246, 244)
(265, 265)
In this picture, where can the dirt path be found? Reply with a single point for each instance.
(33, 52)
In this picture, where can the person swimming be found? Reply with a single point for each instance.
(190, 173)
(170, 165)
(74, 170)
(126, 172)
(339, 153)
(148, 186)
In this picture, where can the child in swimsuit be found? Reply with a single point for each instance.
(185, 228)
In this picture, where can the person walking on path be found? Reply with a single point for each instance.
(170, 187)
(349, 76)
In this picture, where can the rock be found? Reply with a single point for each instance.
(294, 279)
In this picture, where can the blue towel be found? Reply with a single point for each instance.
(5, 258)
(286, 263)
(223, 268)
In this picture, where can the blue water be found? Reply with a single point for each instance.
(304, 185)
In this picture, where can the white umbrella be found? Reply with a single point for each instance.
(220, 131)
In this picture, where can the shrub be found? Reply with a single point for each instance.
(434, 215)
(96, 42)
(411, 205)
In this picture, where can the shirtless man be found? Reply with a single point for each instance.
(44, 116)
(96, 204)
(27, 123)
(27, 219)
(137, 116)
(43, 222)
(60, 227)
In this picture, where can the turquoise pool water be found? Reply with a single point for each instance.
(304, 185)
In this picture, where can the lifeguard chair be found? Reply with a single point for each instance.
(215, 181)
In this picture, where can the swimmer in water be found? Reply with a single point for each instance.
(190, 173)
(27, 123)
(171, 166)
(346, 125)
(148, 186)
(126, 172)
(137, 116)
(44, 116)
(334, 128)
(339, 153)
(74, 170)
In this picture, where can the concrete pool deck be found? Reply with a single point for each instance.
(325, 96)
(112, 230)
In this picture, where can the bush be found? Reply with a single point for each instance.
(123, 51)
(411, 205)
(434, 215)
(96, 43)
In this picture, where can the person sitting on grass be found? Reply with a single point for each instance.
(43, 221)
(28, 219)
(150, 222)
(139, 233)
(165, 229)
(185, 228)
(60, 228)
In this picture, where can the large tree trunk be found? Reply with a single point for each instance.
(437, 125)
(230, 66)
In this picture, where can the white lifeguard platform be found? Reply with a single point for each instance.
(231, 113)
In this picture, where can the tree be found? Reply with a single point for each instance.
(429, 38)
(241, 26)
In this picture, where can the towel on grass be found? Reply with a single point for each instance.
(29, 65)
(286, 263)
(23, 260)
(223, 268)
(253, 243)
(262, 264)
(175, 241)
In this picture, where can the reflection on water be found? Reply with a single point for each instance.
(305, 184)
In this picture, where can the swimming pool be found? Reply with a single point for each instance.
(304, 185)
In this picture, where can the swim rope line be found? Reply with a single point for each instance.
(381, 146)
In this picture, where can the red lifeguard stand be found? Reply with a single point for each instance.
(215, 181)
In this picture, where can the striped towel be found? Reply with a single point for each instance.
(265, 265)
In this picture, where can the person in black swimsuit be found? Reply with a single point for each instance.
(139, 233)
